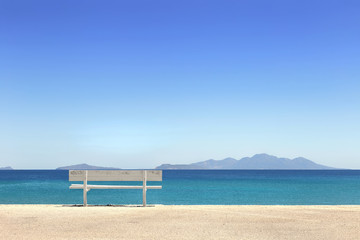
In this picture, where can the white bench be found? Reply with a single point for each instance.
(114, 175)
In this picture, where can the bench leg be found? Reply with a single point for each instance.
(85, 189)
(144, 188)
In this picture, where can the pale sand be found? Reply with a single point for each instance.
(179, 222)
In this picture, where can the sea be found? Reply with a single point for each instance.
(192, 187)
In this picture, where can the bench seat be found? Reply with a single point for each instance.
(81, 186)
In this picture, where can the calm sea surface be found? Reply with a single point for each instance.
(192, 187)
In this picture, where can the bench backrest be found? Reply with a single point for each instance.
(115, 175)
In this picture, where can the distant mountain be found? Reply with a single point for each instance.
(179, 166)
(258, 161)
(85, 166)
(6, 168)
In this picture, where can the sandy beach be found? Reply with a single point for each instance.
(179, 222)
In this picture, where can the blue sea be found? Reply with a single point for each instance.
(192, 187)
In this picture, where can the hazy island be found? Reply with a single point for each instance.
(85, 166)
(6, 168)
(258, 161)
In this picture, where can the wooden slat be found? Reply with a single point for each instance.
(115, 175)
(80, 186)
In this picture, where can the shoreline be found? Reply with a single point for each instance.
(182, 205)
(33, 221)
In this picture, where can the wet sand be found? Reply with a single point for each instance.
(179, 222)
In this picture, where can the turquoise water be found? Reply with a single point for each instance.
(318, 187)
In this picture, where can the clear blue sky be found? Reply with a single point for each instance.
(134, 84)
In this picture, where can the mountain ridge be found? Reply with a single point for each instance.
(256, 162)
